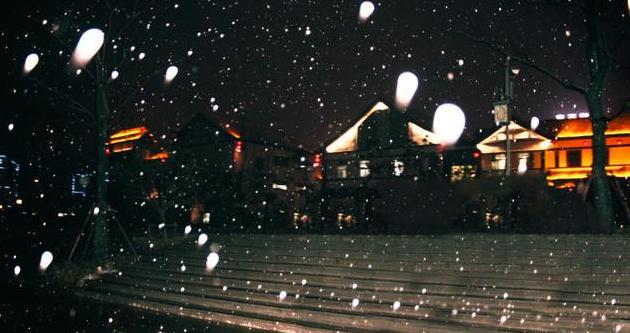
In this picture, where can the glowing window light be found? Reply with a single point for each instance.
(31, 61)
(365, 10)
(87, 47)
(583, 115)
(560, 117)
(406, 87)
(171, 73)
(449, 122)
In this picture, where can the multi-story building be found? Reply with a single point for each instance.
(561, 149)
(273, 180)
(384, 151)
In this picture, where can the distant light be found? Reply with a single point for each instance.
(17, 270)
(161, 225)
(45, 260)
(19, 201)
(571, 115)
(114, 75)
(171, 73)
(189, 53)
(533, 124)
(187, 230)
(31, 61)
(406, 87)
(90, 42)
(212, 260)
(366, 10)
(560, 116)
(396, 305)
(583, 115)
(282, 295)
(11, 126)
(567, 33)
(449, 122)
(96, 210)
(515, 71)
(450, 76)
(203, 238)
(141, 55)
(355, 303)
(460, 62)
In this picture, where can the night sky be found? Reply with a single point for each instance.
(307, 68)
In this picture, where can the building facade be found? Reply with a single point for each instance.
(382, 155)
(561, 149)
(270, 180)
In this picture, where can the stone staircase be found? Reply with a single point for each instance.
(318, 283)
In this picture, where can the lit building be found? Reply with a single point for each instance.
(527, 150)
(560, 148)
(382, 150)
(273, 178)
(138, 140)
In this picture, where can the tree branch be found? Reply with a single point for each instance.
(546, 72)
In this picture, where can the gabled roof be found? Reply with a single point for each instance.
(495, 141)
(348, 140)
(244, 132)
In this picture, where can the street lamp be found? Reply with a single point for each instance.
(502, 109)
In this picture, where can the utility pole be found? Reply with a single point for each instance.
(507, 97)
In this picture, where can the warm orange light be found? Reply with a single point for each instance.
(233, 133)
(584, 172)
(159, 156)
(122, 149)
(573, 128)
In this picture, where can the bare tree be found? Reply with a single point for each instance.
(600, 52)
(96, 91)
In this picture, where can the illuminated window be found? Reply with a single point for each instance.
(574, 158)
(523, 159)
(399, 168)
(364, 168)
(498, 162)
(461, 172)
(342, 171)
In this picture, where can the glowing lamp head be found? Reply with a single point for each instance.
(449, 122)
(171, 73)
(45, 260)
(406, 87)
(534, 123)
(365, 10)
(89, 44)
(31, 61)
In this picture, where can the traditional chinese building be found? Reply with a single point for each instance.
(560, 148)
(380, 156)
(137, 140)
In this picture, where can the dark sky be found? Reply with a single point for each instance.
(305, 67)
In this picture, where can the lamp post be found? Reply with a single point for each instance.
(502, 112)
